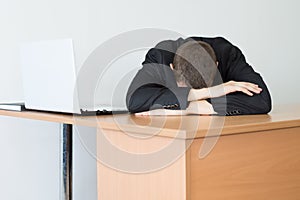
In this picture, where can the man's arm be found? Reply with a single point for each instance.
(223, 89)
(201, 107)
(240, 103)
(197, 97)
(155, 96)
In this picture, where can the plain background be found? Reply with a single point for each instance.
(266, 31)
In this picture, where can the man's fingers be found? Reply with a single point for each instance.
(250, 87)
(245, 90)
(254, 88)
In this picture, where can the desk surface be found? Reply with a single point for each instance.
(184, 127)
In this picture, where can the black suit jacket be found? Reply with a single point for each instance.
(154, 86)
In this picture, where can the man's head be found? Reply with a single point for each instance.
(195, 64)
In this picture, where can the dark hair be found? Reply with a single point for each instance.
(195, 64)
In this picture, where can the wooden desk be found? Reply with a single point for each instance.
(253, 157)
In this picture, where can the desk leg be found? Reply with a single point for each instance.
(66, 140)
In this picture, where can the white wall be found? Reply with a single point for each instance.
(267, 32)
(30, 160)
(29, 152)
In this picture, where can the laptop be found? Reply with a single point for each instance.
(51, 82)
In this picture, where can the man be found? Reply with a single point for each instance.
(197, 76)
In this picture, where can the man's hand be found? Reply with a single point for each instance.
(195, 107)
(201, 107)
(224, 89)
(234, 86)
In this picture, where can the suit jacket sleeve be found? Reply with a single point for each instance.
(154, 85)
(236, 68)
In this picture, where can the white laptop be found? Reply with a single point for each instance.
(50, 81)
